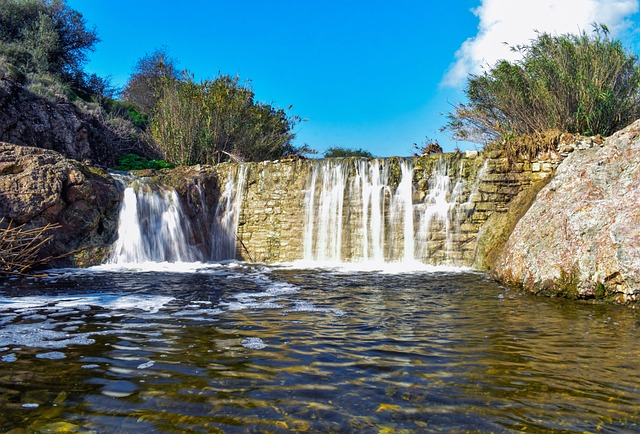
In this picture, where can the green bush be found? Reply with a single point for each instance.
(45, 36)
(135, 162)
(339, 152)
(585, 83)
(217, 120)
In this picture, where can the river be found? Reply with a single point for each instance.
(248, 348)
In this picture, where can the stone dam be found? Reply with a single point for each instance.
(430, 209)
(562, 222)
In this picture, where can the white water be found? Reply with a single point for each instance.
(440, 211)
(224, 237)
(152, 226)
(355, 214)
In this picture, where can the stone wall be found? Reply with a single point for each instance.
(272, 219)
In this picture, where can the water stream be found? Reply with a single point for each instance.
(240, 348)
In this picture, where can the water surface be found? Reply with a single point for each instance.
(248, 348)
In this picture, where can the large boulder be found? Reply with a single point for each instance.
(39, 186)
(581, 236)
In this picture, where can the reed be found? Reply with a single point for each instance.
(586, 84)
(21, 247)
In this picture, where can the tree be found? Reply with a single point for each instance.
(45, 36)
(339, 152)
(217, 120)
(585, 83)
(143, 87)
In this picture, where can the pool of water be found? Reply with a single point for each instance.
(249, 348)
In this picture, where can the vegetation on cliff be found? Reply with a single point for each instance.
(43, 47)
(162, 112)
(585, 83)
(47, 37)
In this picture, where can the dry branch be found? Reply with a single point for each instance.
(20, 248)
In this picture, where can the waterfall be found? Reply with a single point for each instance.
(367, 211)
(323, 232)
(440, 215)
(227, 216)
(353, 213)
(153, 227)
(402, 210)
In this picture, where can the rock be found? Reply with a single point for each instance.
(470, 154)
(581, 237)
(28, 119)
(567, 148)
(43, 187)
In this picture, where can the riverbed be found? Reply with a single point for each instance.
(240, 347)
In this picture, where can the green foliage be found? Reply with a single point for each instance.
(136, 162)
(567, 284)
(217, 120)
(45, 36)
(585, 83)
(126, 111)
(339, 152)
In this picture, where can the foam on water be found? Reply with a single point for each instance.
(253, 343)
(147, 302)
(60, 320)
(53, 355)
(403, 267)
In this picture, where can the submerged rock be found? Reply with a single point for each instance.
(581, 236)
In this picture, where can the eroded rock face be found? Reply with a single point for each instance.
(581, 236)
(30, 120)
(39, 186)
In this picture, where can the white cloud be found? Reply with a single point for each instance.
(506, 23)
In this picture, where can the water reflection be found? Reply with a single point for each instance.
(252, 349)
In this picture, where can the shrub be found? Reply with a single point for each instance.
(585, 83)
(339, 152)
(135, 162)
(217, 120)
(45, 36)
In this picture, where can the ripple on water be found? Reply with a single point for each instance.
(238, 347)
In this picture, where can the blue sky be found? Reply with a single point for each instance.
(377, 75)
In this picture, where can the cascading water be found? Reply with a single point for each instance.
(440, 215)
(153, 227)
(366, 211)
(361, 219)
(356, 210)
(225, 222)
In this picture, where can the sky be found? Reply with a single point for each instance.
(376, 75)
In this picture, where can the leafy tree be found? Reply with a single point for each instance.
(585, 83)
(339, 152)
(143, 87)
(217, 120)
(45, 36)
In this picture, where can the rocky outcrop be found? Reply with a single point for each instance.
(581, 236)
(27, 119)
(39, 186)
